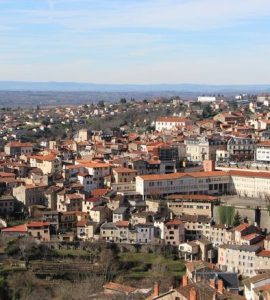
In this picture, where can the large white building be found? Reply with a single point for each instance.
(243, 183)
(263, 151)
(169, 123)
(216, 182)
(206, 99)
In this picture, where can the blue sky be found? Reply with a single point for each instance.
(135, 41)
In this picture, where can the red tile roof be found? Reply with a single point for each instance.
(119, 287)
(174, 222)
(265, 253)
(249, 174)
(172, 119)
(99, 192)
(37, 224)
(181, 175)
(19, 228)
(241, 227)
(122, 223)
(124, 170)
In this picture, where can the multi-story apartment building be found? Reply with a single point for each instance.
(192, 204)
(121, 175)
(238, 258)
(144, 167)
(196, 226)
(241, 148)
(18, 148)
(70, 202)
(263, 152)
(219, 234)
(203, 148)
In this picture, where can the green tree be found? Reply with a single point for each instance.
(101, 103)
(123, 100)
(237, 219)
(207, 111)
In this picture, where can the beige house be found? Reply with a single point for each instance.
(70, 202)
(18, 148)
(219, 234)
(39, 230)
(257, 287)
(238, 258)
(86, 230)
(30, 194)
(49, 164)
(100, 214)
(121, 175)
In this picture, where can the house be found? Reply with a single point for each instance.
(53, 217)
(174, 232)
(123, 229)
(196, 226)
(18, 148)
(70, 202)
(121, 175)
(7, 205)
(238, 258)
(14, 231)
(241, 148)
(86, 230)
(39, 230)
(145, 233)
(188, 251)
(120, 214)
(242, 230)
(100, 214)
(109, 232)
(116, 290)
(203, 148)
(91, 202)
(30, 194)
(256, 286)
(47, 163)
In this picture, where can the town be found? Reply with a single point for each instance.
(89, 186)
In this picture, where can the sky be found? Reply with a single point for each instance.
(136, 41)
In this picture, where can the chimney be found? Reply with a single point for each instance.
(220, 286)
(212, 283)
(184, 280)
(156, 289)
(192, 294)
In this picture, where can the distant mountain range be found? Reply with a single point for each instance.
(91, 87)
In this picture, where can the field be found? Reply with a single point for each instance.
(149, 265)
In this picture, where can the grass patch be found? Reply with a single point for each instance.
(140, 265)
(72, 252)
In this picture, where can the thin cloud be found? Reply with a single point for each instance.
(167, 14)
